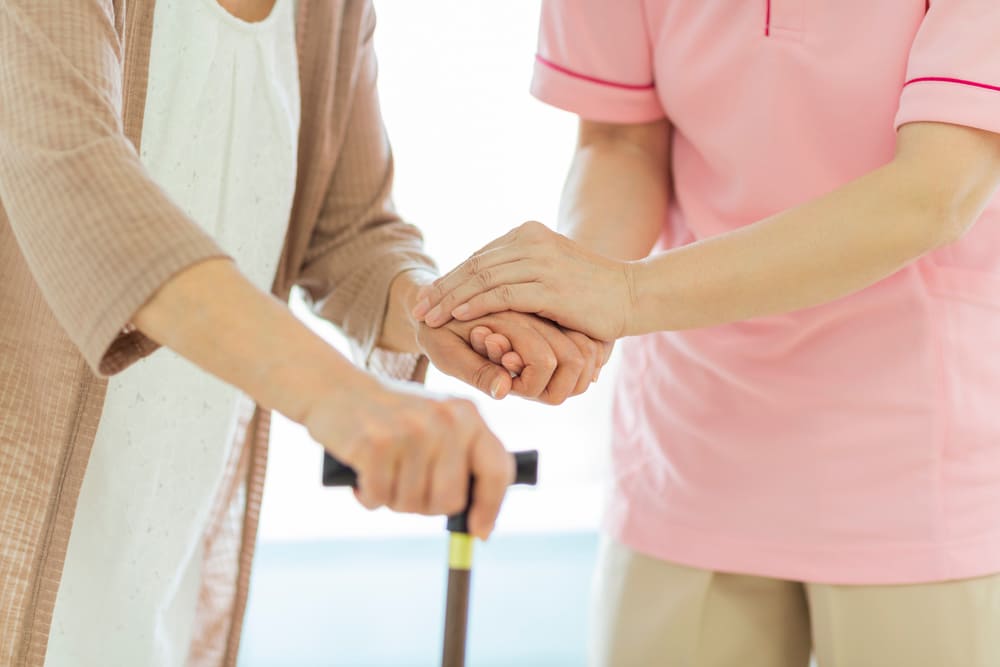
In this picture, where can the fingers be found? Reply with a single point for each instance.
(451, 295)
(493, 469)
(529, 297)
(518, 244)
(449, 483)
(590, 351)
(497, 345)
(607, 347)
(430, 296)
(477, 339)
(376, 467)
(538, 361)
(513, 362)
(452, 355)
(414, 467)
(570, 364)
(416, 453)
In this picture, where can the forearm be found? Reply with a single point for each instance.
(818, 252)
(616, 193)
(213, 316)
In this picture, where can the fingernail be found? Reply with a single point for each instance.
(421, 308)
(495, 387)
(461, 311)
(433, 316)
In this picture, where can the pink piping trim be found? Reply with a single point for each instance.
(591, 79)
(948, 79)
(767, 20)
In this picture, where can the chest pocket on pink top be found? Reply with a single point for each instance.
(784, 17)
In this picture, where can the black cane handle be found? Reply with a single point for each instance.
(336, 473)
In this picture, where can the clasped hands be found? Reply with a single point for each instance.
(533, 302)
(415, 451)
(515, 353)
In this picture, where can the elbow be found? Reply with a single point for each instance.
(950, 216)
(945, 223)
(940, 213)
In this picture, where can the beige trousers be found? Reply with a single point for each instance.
(650, 613)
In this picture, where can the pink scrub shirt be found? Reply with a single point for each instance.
(856, 442)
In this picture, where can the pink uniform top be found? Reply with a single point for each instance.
(855, 442)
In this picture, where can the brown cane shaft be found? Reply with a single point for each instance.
(456, 618)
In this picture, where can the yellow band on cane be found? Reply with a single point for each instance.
(460, 551)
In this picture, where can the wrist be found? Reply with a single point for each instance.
(308, 375)
(399, 330)
(633, 271)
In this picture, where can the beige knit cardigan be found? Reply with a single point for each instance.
(86, 238)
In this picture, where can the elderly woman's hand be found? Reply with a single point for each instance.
(515, 353)
(533, 269)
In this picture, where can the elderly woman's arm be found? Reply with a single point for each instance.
(120, 265)
(934, 189)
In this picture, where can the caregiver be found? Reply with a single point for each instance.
(807, 423)
(168, 172)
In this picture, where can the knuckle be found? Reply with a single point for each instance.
(532, 228)
(481, 379)
(575, 360)
(496, 474)
(549, 361)
(505, 295)
(453, 502)
(484, 278)
(435, 293)
(445, 412)
(378, 444)
(473, 265)
(415, 426)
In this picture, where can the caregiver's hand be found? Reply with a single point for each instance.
(549, 364)
(533, 269)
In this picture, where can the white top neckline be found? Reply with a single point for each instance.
(237, 23)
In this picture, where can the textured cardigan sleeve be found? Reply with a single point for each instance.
(360, 244)
(98, 235)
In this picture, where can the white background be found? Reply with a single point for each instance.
(475, 156)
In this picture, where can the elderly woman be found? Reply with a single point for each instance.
(163, 166)
(806, 431)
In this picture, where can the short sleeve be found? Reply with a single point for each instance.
(953, 74)
(595, 59)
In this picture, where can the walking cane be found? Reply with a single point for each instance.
(460, 548)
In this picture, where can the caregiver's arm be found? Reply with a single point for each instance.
(932, 191)
(928, 196)
(616, 193)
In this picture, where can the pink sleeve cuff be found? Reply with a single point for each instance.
(592, 98)
(947, 100)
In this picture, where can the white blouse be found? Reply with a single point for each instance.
(220, 136)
